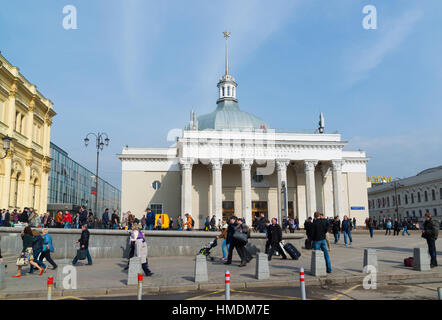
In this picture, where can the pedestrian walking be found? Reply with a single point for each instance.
(189, 222)
(115, 220)
(319, 229)
(405, 226)
(430, 233)
(159, 223)
(308, 224)
(336, 228)
(213, 223)
(47, 248)
(84, 245)
(396, 227)
(389, 226)
(370, 226)
(26, 255)
(141, 251)
(224, 245)
(132, 239)
(67, 220)
(346, 229)
(354, 223)
(274, 238)
(150, 219)
(180, 223)
(235, 240)
(292, 225)
(105, 219)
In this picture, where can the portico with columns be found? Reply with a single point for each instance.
(230, 161)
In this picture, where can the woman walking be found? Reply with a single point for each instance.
(225, 245)
(67, 220)
(26, 254)
(47, 248)
(141, 251)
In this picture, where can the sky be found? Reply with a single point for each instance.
(135, 68)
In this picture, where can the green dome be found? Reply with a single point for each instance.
(228, 116)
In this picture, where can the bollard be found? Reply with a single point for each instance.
(262, 266)
(421, 259)
(134, 270)
(318, 267)
(200, 271)
(140, 286)
(370, 258)
(439, 293)
(302, 280)
(50, 286)
(227, 285)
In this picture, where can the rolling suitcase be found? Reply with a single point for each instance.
(291, 250)
(308, 243)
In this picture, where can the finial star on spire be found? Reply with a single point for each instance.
(226, 34)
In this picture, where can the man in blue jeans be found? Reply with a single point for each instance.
(84, 244)
(319, 229)
(405, 224)
(346, 229)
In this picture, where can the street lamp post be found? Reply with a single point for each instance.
(6, 145)
(101, 140)
(396, 184)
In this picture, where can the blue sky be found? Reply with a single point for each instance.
(135, 69)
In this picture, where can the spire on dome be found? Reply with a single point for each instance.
(227, 35)
(227, 85)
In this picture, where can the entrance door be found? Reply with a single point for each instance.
(259, 207)
(291, 211)
(228, 210)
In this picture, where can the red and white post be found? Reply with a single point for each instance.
(302, 282)
(140, 286)
(227, 285)
(50, 287)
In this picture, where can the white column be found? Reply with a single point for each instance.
(281, 167)
(186, 186)
(337, 187)
(246, 190)
(300, 193)
(327, 190)
(217, 188)
(309, 168)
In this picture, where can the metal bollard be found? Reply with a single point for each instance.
(140, 286)
(302, 282)
(227, 285)
(50, 286)
(439, 293)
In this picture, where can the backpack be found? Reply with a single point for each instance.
(435, 228)
(193, 222)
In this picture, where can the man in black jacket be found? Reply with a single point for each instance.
(430, 233)
(336, 227)
(235, 226)
(274, 238)
(84, 244)
(319, 229)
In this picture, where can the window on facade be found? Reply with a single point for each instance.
(233, 91)
(156, 208)
(414, 214)
(388, 201)
(433, 194)
(426, 195)
(435, 212)
(399, 199)
(228, 91)
(412, 198)
(418, 197)
(420, 213)
(223, 91)
(440, 193)
(406, 199)
(408, 214)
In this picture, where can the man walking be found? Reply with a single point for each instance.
(405, 226)
(105, 219)
(370, 225)
(346, 229)
(274, 238)
(396, 227)
(115, 219)
(150, 219)
(235, 226)
(430, 233)
(336, 229)
(213, 223)
(83, 216)
(319, 229)
(84, 244)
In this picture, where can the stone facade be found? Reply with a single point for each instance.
(415, 196)
(26, 117)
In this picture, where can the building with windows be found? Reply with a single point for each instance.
(26, 117)
(412, 197)
(71, 185)
(232, 161)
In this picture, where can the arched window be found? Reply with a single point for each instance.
(228, 91)
(426, 195)
(223, 92)
(433, 194)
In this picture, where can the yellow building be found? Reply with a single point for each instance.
(26, 117)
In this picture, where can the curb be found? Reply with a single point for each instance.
(131, 291)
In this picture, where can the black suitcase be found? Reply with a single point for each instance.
(292, 251)
(308, 243)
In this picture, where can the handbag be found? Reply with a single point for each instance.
(22, 261)
(240, 237)
(81, 254)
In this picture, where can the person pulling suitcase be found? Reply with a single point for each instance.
(274, 238)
